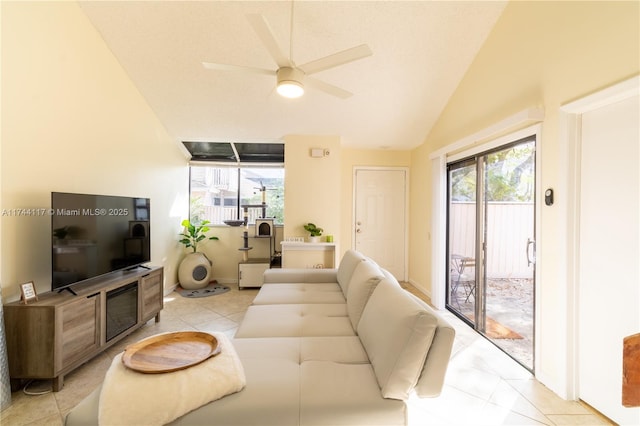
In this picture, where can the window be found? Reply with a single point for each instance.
(219, 193)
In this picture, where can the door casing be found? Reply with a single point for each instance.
(570, 131)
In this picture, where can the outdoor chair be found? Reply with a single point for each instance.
(463, 272)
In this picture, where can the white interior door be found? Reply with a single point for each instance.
(380, 222)
(609, 278)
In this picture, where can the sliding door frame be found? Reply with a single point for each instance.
(502, 133)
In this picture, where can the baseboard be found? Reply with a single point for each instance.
(168, 291)
(419, 288)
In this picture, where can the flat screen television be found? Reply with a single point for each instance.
(93, 235)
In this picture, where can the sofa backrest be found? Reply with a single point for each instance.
(435, 367)
(347, 266)
(363, 282)
(404, 343)
(396, 333)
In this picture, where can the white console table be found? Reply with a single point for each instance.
(309, 255)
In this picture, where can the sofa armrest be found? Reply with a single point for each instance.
(300, 275)
(431, 380)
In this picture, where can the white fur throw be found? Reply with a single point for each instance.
(132, 398)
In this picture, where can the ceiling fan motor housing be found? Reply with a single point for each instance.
(290, 80)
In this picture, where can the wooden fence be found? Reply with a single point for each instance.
(509, 225)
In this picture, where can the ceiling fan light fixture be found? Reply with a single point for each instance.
(290, 89)
(290, 82)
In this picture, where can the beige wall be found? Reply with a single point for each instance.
(312, 185)
(72, 121)
(318, 190)
(539, 54)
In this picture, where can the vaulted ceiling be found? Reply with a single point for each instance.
(421, 51)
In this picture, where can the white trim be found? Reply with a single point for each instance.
(406, 210)
(517, 121)
(494, 143)
(608, 96)
(570, 132)
(438, 231)
(539, 248)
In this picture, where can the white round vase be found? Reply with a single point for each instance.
(194, 271)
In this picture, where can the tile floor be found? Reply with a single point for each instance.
(483, 385)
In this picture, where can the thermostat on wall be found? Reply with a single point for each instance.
(317, 152)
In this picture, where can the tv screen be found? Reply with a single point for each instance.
(92, 235)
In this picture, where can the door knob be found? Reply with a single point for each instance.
(358, 231)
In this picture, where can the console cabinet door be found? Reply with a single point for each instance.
(152, 293)
(79, 329)
(251, 274)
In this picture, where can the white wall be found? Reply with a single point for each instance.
(72, 121)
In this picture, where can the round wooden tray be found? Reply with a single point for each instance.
(170, 352)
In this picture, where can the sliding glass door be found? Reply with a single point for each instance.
(491, 247)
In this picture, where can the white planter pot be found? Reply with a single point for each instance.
(314, 239)
(194, 271)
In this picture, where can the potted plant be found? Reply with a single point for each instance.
(195, 234)
(195, 269)
(314, 232)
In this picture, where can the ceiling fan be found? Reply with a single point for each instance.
(292, 78)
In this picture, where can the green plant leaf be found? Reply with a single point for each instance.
(194, 234)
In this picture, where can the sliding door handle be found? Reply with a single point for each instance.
(531, 259)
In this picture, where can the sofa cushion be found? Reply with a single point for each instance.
(300, 275)
(295, 321)
(342, 349)
(335, 394)
(299, 293)
(397, 333)
(348, 263)
(364, 280)
(271, 397)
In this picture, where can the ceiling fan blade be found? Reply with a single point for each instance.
(336, 59)
(327, 88)
(229, 67)
(263, 30)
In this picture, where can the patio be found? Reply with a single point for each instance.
(509, 308)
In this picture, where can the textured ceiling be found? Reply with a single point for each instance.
(421, 50)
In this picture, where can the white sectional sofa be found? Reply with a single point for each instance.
(345, 346)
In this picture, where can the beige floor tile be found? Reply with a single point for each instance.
(578, 419)
(545, 400)
(472, 380)
(495, 415)
(81, 382)
(218, 324)
(507, 397)
(54, 420)
(26, 409)
(454, 405)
